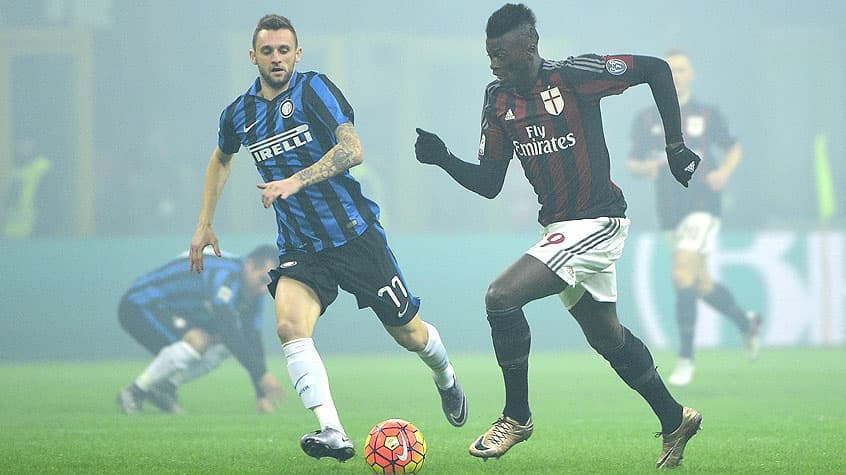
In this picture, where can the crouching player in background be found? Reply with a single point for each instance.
(192, 322)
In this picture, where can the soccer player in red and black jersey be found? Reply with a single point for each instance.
(692, 224)
(547, 114)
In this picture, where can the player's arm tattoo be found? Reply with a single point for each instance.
(343, 156)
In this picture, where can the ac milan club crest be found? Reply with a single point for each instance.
(553, 101)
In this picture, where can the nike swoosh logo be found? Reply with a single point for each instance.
(462, 414)
(249, 127)
(404, 441)
(479, 445)
(402, 314)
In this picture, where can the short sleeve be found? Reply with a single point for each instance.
(640, 135)
(327, 102)
(227, 139)
(720, 133)
(493, 143)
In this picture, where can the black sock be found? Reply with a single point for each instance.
(634, 364)
(686, 319)
(723, 301)
(512, 341)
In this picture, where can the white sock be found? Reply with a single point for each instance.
(434, 354)
(172, 358)
(210, 360)
(308, 375)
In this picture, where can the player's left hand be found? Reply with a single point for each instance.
(278, 189)
(683, 162)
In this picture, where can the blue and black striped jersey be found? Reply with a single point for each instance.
(198, 298)
(288, 134)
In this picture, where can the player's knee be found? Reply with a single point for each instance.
(412, 336)
(499, 298)
(287, 331)
(683, 278)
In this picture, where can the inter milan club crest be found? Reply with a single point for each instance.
(287, 109)
(553, 102)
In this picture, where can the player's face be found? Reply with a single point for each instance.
(511, 58)
(682, 72)
(255, 277)
(276, 53)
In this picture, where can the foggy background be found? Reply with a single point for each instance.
(123, 98)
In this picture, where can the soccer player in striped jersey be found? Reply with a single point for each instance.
(692, 224)
(193, 322)
(547, 114)
(298, 129)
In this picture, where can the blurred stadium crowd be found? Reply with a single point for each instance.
(119, 101)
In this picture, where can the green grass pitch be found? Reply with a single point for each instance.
(781, 414)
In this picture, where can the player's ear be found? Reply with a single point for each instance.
(298, 55)
(253, 57)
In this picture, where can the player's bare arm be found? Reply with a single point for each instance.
(346, 154)
(217, 172)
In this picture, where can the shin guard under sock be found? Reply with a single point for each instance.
(512, 341)
(634, 364)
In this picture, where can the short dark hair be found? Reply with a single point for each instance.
(262, 253)
(509, 17)
(274, 22)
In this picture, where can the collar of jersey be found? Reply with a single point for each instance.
(256, 87)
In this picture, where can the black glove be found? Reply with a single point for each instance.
(683, 162)
(430, 149)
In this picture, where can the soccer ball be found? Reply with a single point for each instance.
(395, 446)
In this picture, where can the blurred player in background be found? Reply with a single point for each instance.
(193, 322)
(298, 128)
(547, 114)
(692, 221)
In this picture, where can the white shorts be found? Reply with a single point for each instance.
(696, 233)
(582, 252)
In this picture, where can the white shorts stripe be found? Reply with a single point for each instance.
(592, 241)
(582, 253)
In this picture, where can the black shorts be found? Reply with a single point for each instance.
(153, 329)
(364, 267)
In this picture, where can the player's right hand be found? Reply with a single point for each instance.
(683, 162)
(264, 405)
(272, 389)
(203, 238)
(429, 148)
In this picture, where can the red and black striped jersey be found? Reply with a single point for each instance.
(707, 133)
(555, 130)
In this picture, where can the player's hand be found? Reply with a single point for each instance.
(264, 405)
(683, 162)
(203, 238)
(278, 189)
(273, 391)
(429, 148)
